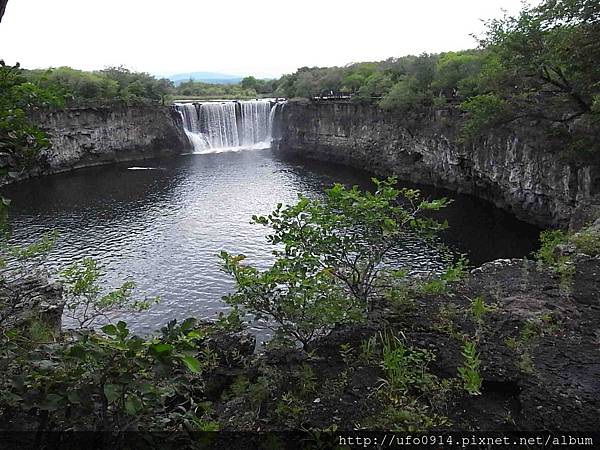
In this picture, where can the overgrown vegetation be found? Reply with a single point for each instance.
(331, 254)
(557, 246)
(104, 379)
(411, 397)
(469, 372)
(107, 86)
(539, 66)
(330, 257)
(331, 263)
(20, 140)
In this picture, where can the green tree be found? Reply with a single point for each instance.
(20, 140)
(404, 95)
(543, 65)
(457, 73)
(331, 258)
(250, 83)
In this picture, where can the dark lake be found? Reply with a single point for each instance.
(164, 227)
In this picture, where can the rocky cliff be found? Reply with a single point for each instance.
(85, 137)
(514, 170)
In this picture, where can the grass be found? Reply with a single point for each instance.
(587, 242)
(469, 372)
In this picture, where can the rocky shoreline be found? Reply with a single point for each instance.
(539, 344)
(538, 336)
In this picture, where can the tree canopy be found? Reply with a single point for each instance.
(540, 65)
(110, 85)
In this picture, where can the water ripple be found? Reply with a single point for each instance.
(164, 228)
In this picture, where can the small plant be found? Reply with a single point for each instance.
(40, 332)
(434, 287)
(346, 354)
(532, 330)
(408, 417)
(231, 321)
(455, 272)
(367, 349)
(238, 388)
(548, 255)
(512, 343)
(85, 302)
(526, 362)
(258, 392)
(529, 332)
(329, 257)
(549, 240)
(397, 289)
(587, 242)
(445, 321)
(479, 309)
(469, 372)
(306, 381)
(405, 367)
(290, 410)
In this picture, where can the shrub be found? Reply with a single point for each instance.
(111, 381)
(549, 240)
(330, 256)
(469, 372)
(484, 111)
(85, 302)
(587, 242)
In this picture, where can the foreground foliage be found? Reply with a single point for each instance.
(20, 140)
(106, 381)
(330, 257)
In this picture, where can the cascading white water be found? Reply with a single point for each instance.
(219, 126)
(191, 126)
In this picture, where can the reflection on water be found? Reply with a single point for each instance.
(165, 227)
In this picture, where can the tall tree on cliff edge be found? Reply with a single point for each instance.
(542, 67)
(2, 8)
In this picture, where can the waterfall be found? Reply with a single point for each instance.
(221, 126)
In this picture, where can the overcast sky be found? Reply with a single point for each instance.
(242, 37)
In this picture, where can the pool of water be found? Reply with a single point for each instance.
(162, 223)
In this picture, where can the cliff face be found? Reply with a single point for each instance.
(515, 171)
(85, 137)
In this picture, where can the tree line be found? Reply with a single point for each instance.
(538, 67)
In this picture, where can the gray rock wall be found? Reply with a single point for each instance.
(515, 171)
(85, 137)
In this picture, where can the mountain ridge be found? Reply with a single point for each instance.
(205, 77)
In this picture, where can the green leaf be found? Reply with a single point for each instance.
(112, 392)
(196, 334)
(162, 348)
(77, 351)
(133, 405)
(188, 324)
(192, 364)
(110, 329)
(122, 327)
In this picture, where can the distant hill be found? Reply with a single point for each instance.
(205, 77)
